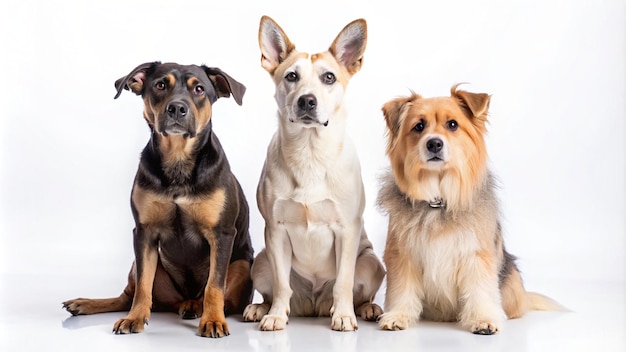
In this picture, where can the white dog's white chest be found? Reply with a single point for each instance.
(311, 230)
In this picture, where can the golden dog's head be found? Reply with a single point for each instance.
(310, 87)
(437, 148)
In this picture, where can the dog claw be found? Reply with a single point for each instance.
(484, 332)
(129, 326)
(369, 311)
(189, 315)
(213, 329)
(393, 321)
(255, 312)
(344, 323)
(484, 328)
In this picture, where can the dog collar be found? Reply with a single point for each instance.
(437, 203)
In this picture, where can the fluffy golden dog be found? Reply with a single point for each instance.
(444, 254)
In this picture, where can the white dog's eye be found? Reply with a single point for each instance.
(329, 78)
(291, 77)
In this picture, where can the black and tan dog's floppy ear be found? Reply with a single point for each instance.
(224, 84)
(135, 79)
(349, 46)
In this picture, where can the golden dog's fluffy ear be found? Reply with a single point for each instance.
(394, 113)
(476, 105)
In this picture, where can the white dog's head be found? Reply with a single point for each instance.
(310, 87)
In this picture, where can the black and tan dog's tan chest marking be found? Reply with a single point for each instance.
(192, 247)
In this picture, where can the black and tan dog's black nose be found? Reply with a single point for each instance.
(434, 145)
(177, 110)
(307, 102)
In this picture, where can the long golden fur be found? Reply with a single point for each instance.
(444, 254)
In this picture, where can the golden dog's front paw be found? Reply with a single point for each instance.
(255, 311)
(129, 325)
(210, 328)
(394, 321)
(273, 322)
(483, 328)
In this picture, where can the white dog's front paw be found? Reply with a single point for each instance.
(394, 321)
(273, 322)
(255, 311)
(344, 322)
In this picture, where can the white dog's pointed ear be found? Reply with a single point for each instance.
(349, 46)
(274, 43)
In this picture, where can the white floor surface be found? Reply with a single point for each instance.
(32, 320)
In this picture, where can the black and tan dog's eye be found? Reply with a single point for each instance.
(329, 78)
(159, 85)
(291, 77)
(198, 90)
(420, 126)
(452, 125)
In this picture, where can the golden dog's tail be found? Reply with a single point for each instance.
(540, 302)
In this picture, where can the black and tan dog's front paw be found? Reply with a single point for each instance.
(129, 325)
(77, 306)
(214, 329)
(190, 309)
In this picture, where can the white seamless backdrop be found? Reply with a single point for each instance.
(555, 69)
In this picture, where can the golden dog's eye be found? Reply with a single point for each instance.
(329, 78)
(159, 85)
(291, 77)
(419, 127)
(452, 125)
(198, 90)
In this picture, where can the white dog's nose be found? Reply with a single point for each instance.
(307, 102)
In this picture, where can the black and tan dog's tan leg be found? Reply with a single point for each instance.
(238, 286)
(85, 306)
(152, 215)
(213, 321)
(146, 259)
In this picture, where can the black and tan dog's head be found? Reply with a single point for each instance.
(178, 98)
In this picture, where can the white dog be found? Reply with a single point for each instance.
(318, 260)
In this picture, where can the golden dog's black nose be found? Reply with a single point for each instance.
(434, 145)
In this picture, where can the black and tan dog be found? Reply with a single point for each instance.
(192, 247)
